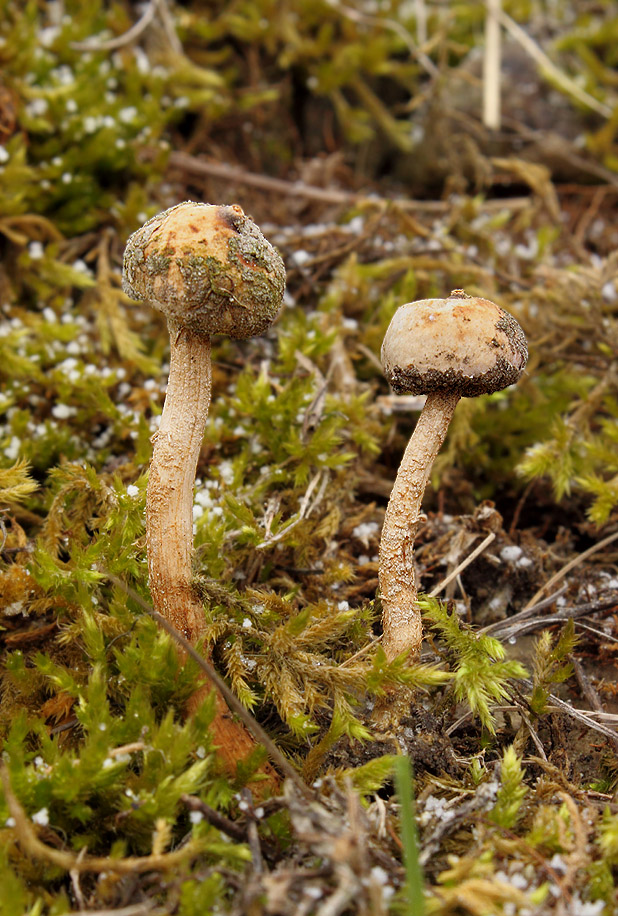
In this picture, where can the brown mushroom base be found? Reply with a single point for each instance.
(169, 520)
(401, 617)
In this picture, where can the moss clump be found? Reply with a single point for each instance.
(302, 447)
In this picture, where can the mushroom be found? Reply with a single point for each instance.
(210, 270)
(451, 348)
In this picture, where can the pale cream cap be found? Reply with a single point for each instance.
(463, 343)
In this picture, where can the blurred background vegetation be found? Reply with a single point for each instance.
(354, 134)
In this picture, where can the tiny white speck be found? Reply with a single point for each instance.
(41, 817)
(301, 257)
(132, 490)
(12, 449)
(511, 553)
(128, 114)
(37, 107)
(196, 817)
(63, 411)
(82, 267)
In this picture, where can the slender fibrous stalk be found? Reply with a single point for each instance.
(169, 497)
(401, 618)
(169, 520)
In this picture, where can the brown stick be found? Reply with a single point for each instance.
(70, 861)
(226, 172)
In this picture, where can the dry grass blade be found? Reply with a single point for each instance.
(463, 565)
(567, 84)
(226, 172)
(568, 567)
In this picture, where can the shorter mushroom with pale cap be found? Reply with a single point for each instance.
(451, 348)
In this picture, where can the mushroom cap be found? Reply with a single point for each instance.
(208, 268)
(463, 343)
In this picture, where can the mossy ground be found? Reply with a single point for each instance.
(112, 799)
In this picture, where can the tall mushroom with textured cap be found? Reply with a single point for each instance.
(210, 270)
(447, 349)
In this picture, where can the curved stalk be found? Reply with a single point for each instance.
(401, 618)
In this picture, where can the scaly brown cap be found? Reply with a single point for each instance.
(208, 268)
(463, 343)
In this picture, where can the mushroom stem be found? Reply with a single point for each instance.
(169, 512)
(401, 618)
(169, 496)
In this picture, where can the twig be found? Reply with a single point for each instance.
(569, 566)
(520, 706)
(69, 861)
(127, 749)
(506, 630)
(74, 874)
(305, 509)
(584, 717)
(132, 34)
(136, 909)
(398, 29)
(136, 31)
(537, 53)
(363, 651)
(220, 821)
(463, 565)
(499, 625)
(590, 693)
(492, 66)
(605, 637)
(333, 196)
(533, 734)
(253, 836)
(228, 695)
(556, 705)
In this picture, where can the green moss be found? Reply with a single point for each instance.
(302, 442)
